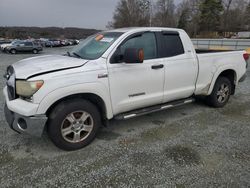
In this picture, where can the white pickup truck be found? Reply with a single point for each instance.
(119, 74)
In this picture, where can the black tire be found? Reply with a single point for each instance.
(219, 98)
(35, 51)
(13, 51)
(59, 117)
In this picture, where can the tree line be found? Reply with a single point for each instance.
(204, 18)
(46, 32)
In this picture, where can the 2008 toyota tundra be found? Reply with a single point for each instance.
(118, 74)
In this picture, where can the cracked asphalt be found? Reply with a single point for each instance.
(188, 146)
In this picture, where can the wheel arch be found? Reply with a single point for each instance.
(228, 73)
(94, 92)
(93, 98)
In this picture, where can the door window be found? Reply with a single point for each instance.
(21, 44)
(146, 41)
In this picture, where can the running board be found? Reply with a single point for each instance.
(156, 108)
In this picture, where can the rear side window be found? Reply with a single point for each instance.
(172, 45)
(28, 44)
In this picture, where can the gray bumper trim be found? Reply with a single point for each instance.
(243, 78)
(35, 124)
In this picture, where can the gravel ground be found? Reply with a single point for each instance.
(188, 146)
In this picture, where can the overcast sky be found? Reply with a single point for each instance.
(60, 13)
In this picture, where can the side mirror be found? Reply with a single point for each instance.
(133, 55)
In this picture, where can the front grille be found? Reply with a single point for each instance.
(11, 92)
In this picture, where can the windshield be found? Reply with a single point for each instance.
(94, 46)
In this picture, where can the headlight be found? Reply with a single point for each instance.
(28, 88)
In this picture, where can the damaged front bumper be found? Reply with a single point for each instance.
(20, 122)
(33, 125)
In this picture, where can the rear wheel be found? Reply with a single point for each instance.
(73, 124)
(13, 51)
(221, 93)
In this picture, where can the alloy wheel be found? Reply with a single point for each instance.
(77, 126)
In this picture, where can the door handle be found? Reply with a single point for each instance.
(157, 66)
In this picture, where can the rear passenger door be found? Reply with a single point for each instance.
(180, 66)
(28, 46)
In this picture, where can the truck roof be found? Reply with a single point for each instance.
(138, 29)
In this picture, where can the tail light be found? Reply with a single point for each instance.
(246, 56)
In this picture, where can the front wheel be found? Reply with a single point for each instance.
(35, 51)
(221, 93)
(13, 51)
(73, 124)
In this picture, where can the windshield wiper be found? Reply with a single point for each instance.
(68, 53)
(77, 55)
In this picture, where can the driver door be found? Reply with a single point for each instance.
(20, 46)
(137, 85)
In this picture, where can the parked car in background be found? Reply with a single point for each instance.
(4, 41)
(65, 42)
(24, 46)
(43, 41)
(4, 46)
(48, 43)
(53, 43)
(75, 42)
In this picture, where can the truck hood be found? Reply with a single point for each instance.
(43, 64)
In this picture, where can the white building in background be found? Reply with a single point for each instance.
(243, 34)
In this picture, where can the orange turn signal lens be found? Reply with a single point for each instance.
(141, 55)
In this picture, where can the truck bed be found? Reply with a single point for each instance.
(210, 63)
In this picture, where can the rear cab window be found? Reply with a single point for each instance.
(170, 44)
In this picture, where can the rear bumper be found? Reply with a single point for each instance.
(33, 125)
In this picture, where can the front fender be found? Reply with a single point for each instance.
(60, 93)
